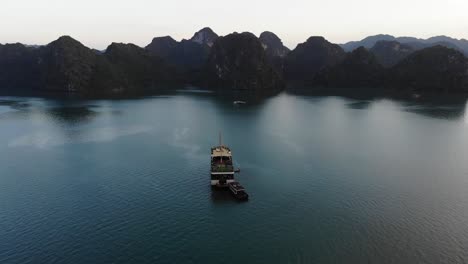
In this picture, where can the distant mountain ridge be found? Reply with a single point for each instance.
(437, 68)
(359, 68)
(416, 43)
(389, 53)
(237, 61)
(187, 54)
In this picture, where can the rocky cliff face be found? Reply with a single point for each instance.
(307, 59)
(205, 36)
(239, 62)
(273, 45)
(432, 69)
(275, 50)
(389, 53)
(359, 69)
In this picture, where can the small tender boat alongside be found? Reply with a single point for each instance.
(238, 191)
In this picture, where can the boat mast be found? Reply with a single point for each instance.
(220, 139)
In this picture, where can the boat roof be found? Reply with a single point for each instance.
(237, 186)
(220, 151)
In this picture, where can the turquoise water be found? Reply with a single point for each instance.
(331, 180)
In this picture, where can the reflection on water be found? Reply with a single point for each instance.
(438, 111)
(8, 106)
(71, 114)
(14, 104)
(435, 106)
(47, 139)
(69, 122)
(221, 196)
(359, 105)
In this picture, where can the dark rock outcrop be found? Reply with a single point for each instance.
(239, 62)
(189, 55)
(69, 66)
(21, 68)
(389, 53)
(360, 69)
(66, 66)
(307, 59)
(432, 69)
(275, 50)
(134, 70)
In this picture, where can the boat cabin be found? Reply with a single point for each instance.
(222, 169)
(221, 159)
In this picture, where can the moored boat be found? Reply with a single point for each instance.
(238, 191)
(222, 169)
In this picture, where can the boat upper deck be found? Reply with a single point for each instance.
(221, 151)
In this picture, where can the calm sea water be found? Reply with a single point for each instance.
(331, 180)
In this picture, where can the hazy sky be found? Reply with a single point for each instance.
(97, 23)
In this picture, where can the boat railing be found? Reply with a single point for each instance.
(217, 163)
(214, 149)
